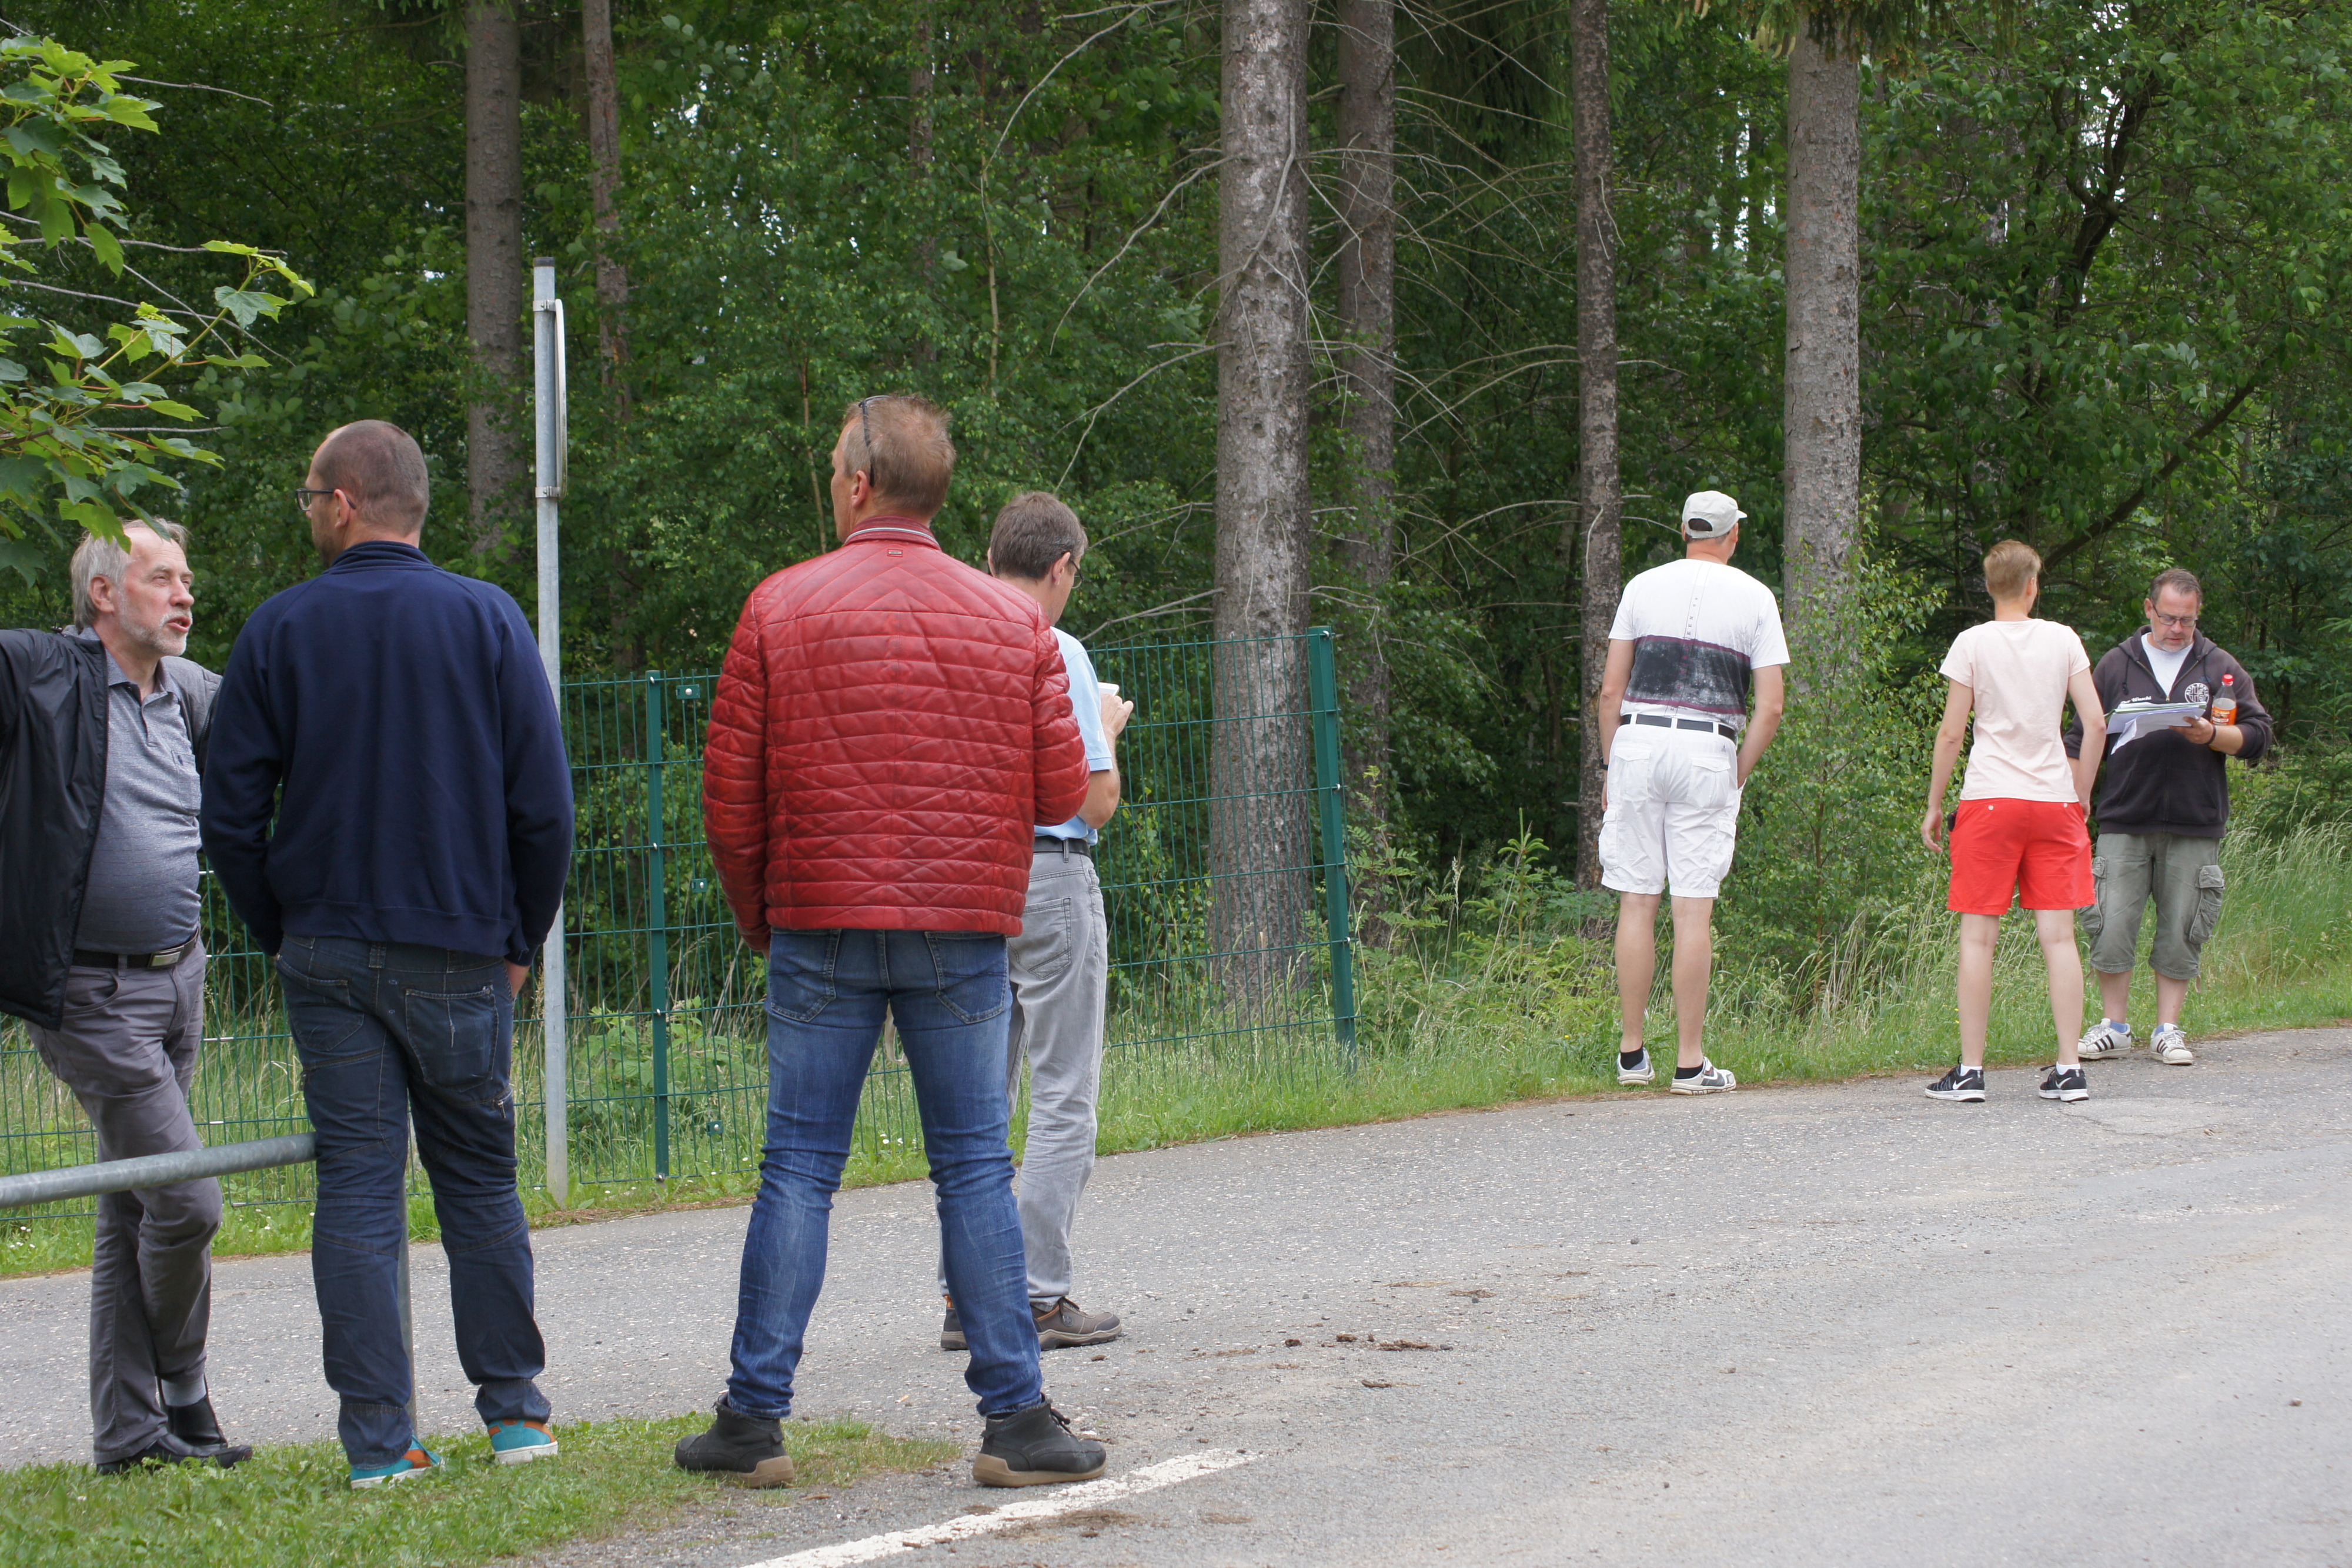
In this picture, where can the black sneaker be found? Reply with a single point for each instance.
(742, 1450)
(2065, 1083)
(1065, 1324)
(164, 1450)
(200, 1429)
(1960, 1083)
(1034, 1447)
(951, 1330)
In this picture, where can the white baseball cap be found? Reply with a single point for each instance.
(1710, 515)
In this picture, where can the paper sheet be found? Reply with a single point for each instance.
(2139, 717)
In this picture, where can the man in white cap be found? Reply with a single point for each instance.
(1691, 638)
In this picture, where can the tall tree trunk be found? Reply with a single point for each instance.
(1259, 819)
(1822, 408)
(1600, 504)
(604, 183)
(494, 269)
(1367, 309)
(919, 156)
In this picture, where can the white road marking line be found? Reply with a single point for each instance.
(1065, 1500)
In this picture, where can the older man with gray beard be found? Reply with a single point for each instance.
(102, 730)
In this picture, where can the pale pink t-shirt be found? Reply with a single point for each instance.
(2017, 670)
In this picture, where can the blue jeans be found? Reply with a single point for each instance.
(389, 1031)
(827, 993)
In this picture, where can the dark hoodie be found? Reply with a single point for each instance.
(2162, 782)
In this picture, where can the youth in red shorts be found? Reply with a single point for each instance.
(2039, 850)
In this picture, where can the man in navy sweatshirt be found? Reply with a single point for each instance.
(388, 806)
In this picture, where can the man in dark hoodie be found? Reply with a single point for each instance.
(2162, 811)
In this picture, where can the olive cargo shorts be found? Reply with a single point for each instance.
(2182, 873)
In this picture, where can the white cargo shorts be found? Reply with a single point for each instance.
(1673, 812)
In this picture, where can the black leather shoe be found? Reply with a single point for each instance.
(742, 1450)
(199, 1429)
(1034, 1447)
(164, 1450)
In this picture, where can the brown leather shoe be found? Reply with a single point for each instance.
(1065, 1324)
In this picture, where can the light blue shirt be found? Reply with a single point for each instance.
(1086, 705)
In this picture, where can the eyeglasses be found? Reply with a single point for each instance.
(2178, 623)
(303, 497)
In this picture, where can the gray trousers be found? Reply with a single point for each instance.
(2181, 874)
(1060, 971)
(126, 1048)
(1059, 967)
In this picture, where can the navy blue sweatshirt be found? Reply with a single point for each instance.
(404, 713)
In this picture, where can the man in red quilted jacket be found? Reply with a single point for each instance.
(892, 728)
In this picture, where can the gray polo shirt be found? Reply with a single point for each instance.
(143, 896)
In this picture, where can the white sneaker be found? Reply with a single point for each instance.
(1710, 1080)
(2172, 1046)
(1643, 1071)
(2108, 1038)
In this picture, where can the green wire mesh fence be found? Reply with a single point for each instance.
(1224, 876)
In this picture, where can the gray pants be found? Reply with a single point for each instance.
(2182, 873)
(126, 1048)
(1060, 969)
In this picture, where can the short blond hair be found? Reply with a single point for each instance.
(2010, 567)
(901, 443)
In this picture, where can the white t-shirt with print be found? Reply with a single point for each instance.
(2016, 671)
(1698, 628)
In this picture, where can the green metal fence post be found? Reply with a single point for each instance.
(1331, 794)
(657, 922)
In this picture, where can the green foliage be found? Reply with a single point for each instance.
(2082, 240)
(1830, 865)
(58, 464)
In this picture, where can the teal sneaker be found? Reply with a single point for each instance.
(520, 1442)
(415, 1462)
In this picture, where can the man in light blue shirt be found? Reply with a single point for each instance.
(1060, 964)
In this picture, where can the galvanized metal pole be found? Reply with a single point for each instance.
(551, 392)
(154, 1170)
(1331, 794)
(657, 917)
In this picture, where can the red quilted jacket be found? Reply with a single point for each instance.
(890, 729)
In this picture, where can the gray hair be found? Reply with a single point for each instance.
(96, 558)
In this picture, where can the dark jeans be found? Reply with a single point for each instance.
(387, 1032)
(827, 993)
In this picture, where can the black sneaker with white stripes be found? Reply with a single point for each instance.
(1960, 1083)
(2062, 1083)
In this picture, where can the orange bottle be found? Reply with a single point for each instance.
(2225, 705)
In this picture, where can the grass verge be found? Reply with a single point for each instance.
(1518, 1004)
(291, 1504)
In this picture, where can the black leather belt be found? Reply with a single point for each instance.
(1660, 721)
(1049, 845)
(86, 959)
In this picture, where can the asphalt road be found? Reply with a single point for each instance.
(1827, 1325)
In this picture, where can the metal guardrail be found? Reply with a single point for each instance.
(195, 1164)
(154, 1170)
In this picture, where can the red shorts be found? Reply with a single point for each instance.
(2038, 849)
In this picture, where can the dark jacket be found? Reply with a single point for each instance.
(53, 732)
(2162, 782)
(425, 797)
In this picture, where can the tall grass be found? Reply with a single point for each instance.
(1495, 986)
